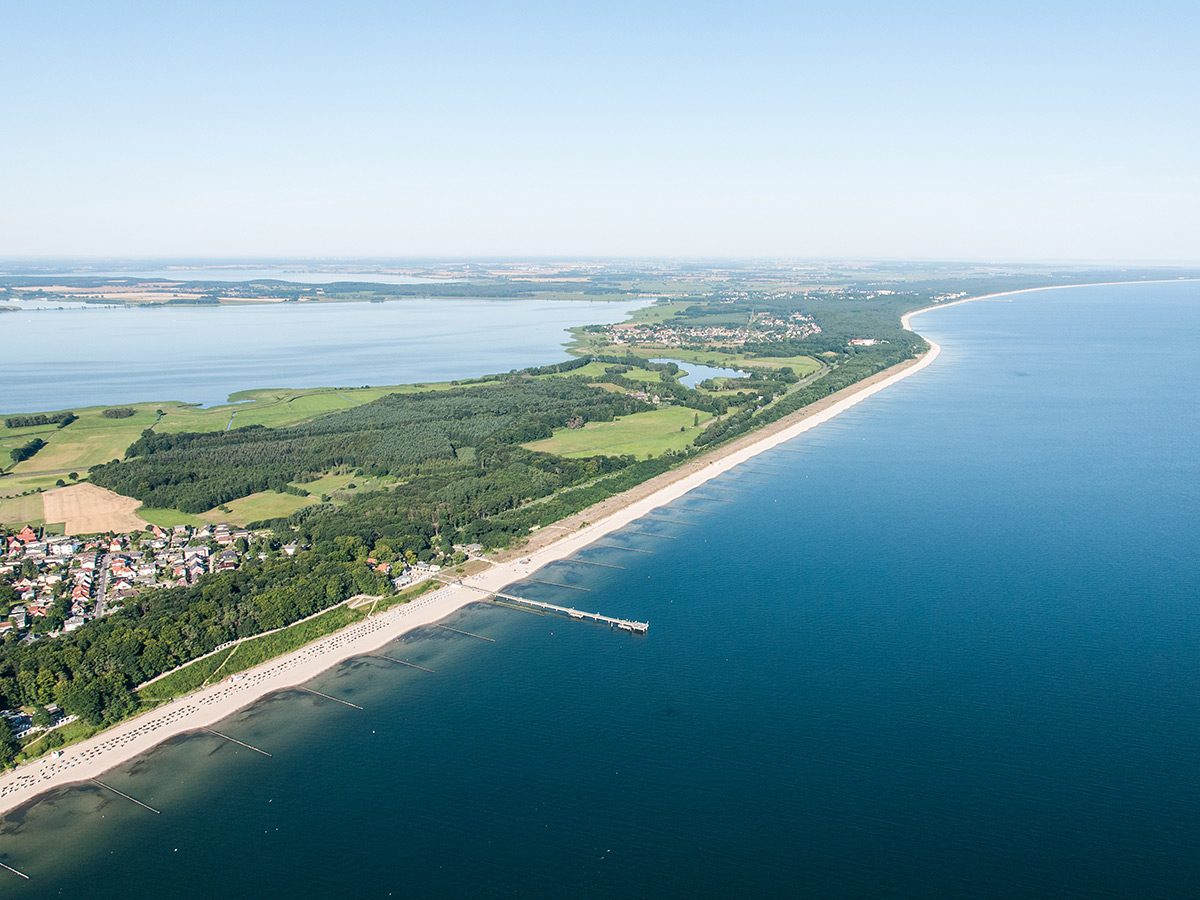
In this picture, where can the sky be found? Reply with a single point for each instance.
(1015, 131)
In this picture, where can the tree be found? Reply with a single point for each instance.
(8, 744)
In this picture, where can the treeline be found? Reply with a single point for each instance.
(62, 420)
(26, 451)
(501, 529)
(120, 412)
(399, 435)
(92, 672)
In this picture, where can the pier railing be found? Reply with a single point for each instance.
(629, 625)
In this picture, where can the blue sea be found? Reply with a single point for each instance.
(944, 646)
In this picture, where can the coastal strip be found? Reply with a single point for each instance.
(203, 708)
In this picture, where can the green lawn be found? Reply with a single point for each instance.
(640, 434)
(801, 365)
(330, 484)
(257, 507)
(21, 510)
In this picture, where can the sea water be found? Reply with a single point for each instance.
(944, 645)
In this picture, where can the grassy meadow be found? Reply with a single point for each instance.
(641, 434)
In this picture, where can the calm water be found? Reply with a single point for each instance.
(58, 358)
(233, 273)
(942, 647)
(697, 373)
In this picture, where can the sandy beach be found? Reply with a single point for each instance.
(204, 708)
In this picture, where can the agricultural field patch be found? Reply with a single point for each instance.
(648, 433)
(25, 510)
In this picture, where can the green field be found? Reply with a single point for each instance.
(641, 434)
(93, 439)
(331, 484)
(257, 507)
(12, 485)
(21, 510)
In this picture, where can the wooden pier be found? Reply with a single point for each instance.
(613, 622)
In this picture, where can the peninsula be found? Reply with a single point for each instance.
(328, 509)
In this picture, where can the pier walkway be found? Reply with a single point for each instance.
(613, 622)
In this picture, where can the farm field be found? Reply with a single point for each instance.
(85, 442)
(88, 509)
(25, 510)
(641, 434)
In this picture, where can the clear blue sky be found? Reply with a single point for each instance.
(936, 130)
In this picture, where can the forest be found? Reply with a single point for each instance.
(430, 438)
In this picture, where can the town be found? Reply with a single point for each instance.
(50, 585)
(761, 329)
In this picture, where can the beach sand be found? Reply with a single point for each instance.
(90, 758)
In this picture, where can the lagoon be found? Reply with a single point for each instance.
(56, 358)
(697, 373)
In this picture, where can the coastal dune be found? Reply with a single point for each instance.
(203, 708)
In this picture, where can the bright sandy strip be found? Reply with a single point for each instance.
(206, 707)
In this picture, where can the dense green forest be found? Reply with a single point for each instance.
(467, 436)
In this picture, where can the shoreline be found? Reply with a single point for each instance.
(204, 708)
(128, 739)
